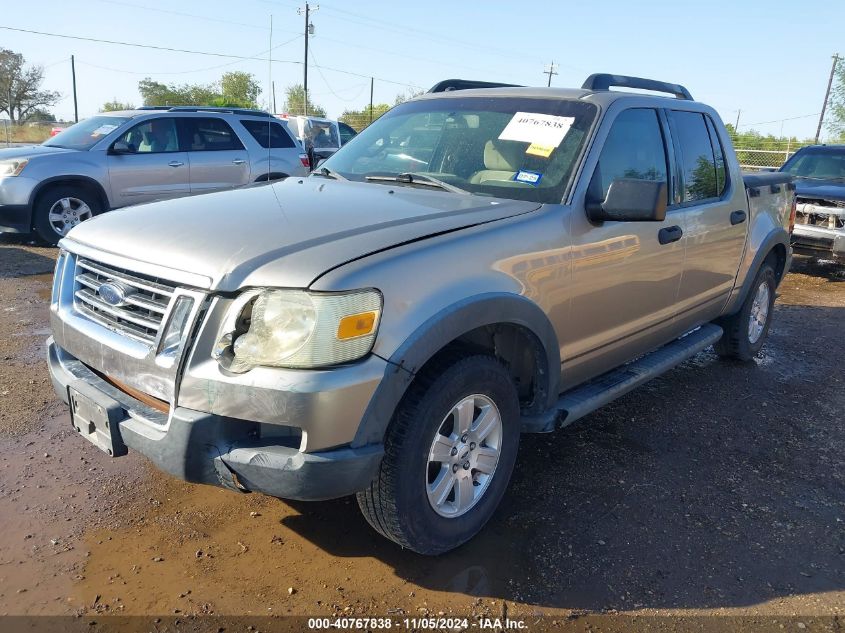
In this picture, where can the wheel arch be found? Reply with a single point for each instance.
(510, 327)
(73, 181)
(774, 246)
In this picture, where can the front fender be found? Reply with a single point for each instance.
(443, 328)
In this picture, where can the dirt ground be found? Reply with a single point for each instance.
(715, 489)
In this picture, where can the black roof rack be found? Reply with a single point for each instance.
(240, 111)
(447, 85)
(603, 81)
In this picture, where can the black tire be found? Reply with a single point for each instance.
(396, 503)
(47, 199)
(737, 342)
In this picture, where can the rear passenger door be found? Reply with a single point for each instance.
(714, 213)
(218, 159)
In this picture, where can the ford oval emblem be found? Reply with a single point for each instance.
(113, 294)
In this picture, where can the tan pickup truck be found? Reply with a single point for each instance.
(475, 264)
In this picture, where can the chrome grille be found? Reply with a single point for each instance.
(141, 313)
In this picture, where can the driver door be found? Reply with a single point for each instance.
(624, 280)
(153, 168)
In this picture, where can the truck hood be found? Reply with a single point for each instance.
(31, 151)
(286, 234)
(820, 189)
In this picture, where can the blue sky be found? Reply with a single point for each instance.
(769, 59)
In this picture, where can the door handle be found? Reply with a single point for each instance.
(176, 163)
(737, 217)
(669, 234)
(238, 161)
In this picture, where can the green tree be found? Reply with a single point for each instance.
(20, 87)
(115, 106)
(295, 102)
(38, 115)
(240, 89)
(359, 119)
(836, 117)
(157, 93)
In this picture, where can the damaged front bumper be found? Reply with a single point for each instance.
(213, 449)
(825, 237)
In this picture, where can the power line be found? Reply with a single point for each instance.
(794, 118)
(195, 52)
(193, 16)
(256, 57)
(326, 81)
(136, 45)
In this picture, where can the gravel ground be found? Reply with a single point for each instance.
(715, 489)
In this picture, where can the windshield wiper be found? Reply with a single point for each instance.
(412, 178)
(328, 173)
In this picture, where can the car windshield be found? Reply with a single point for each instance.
(822, 163)
(506, 147)
(85, 134)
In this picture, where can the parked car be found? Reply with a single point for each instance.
(117, 159)
(319, 136)
(374, 331)
(819, 172)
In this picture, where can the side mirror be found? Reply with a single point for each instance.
(121, 147)
(631, 200)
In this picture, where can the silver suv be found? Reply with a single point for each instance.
(117, 159)
(473, 265)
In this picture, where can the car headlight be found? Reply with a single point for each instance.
(297, 329)
(12, 167)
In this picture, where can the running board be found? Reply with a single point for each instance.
(580, 401)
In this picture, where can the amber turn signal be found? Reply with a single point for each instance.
(356, 325)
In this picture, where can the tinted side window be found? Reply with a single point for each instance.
(269, 134)
(698, 165)
(719, 155)
(154, 136)
(211, 135)
(633, 149)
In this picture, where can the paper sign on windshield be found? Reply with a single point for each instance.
(103, 130)
(543, 130)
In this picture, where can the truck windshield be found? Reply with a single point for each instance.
(821, 164)
(85, 134)
(506, 147)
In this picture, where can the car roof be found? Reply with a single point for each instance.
(600, 97)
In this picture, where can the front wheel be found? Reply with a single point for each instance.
(59, 209)
(449, 454)
(746, 331)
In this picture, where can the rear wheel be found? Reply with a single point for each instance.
(59, 209)
(449, 454)
(746, 331)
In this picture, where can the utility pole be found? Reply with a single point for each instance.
(736, 125)
(836, 59)
(371, 99)
(73, 75)
(273, 84)
(550, 70)
(309, 30)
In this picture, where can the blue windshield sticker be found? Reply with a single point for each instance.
(529, 177)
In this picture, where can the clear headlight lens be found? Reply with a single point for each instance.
(12, 167)
(298, 329)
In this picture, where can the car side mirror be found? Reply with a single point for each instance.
(121, 147)
(631, 200)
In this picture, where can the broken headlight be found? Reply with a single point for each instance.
(298, 329)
